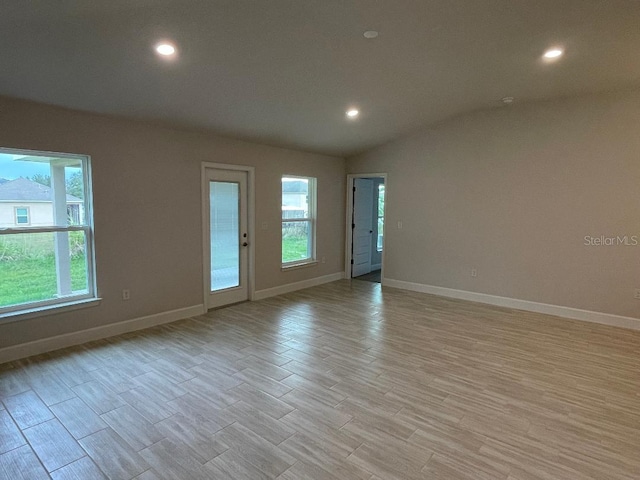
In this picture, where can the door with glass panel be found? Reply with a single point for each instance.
(228, 262)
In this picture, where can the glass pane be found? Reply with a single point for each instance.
(29, 271)
(381, 200)
(295, 197)
(22, 216)
(224, 201)
(380, 217)
(296, 242)
(74, 184)
(78, 256)
(28, 181)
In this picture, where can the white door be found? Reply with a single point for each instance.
(228, 259)
(362, 226)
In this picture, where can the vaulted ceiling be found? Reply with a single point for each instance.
(283, 72)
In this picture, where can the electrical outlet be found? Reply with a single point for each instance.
(126, 294)
(636, 294)
(324, 259)
(474, 272)
(265, 226)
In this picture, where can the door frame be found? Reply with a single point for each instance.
(348, 220)
(206, 261)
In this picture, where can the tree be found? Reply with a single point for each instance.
(73, 183)
(42, 179)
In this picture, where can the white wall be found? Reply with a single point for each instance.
(147, 210)
(512, 192)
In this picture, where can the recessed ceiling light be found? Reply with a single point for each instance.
(165, 49)
(353, 113)
(553, 53)
(370, 34)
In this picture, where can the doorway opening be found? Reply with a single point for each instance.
(366, 198)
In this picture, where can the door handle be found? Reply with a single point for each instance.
(245, 244)
(370, 231)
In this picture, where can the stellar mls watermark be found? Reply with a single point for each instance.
(612, 241)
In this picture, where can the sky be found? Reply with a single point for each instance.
(11, 169)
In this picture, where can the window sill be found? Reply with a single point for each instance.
(295, 266)
(28, 313)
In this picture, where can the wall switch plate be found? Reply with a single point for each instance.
(474, 272)
(126, 294)
(399, 224)
(265, 226)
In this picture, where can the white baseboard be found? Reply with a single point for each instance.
(36, 347)
(557, 310)
(292, 287)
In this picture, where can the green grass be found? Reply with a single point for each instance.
(28, 269)
(294, 248)
(34, 279)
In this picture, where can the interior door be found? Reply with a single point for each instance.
(362, 226)
(228, 262)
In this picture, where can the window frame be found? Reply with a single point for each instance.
(16, 216)
(66, 302)
(311, 219)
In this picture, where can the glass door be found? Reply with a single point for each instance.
(228, 239)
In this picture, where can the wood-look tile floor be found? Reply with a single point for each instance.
(342, 381)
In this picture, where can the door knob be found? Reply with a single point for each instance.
(245, 244)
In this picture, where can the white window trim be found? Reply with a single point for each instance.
(311, 220)
(41, 311)
(66, 302)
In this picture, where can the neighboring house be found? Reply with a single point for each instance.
(24, 202)
(294, 198)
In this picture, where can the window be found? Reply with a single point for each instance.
(46, 234)
(380, 241)
(298, 220)
(22, 215)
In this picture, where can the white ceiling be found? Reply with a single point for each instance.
(284, 72)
